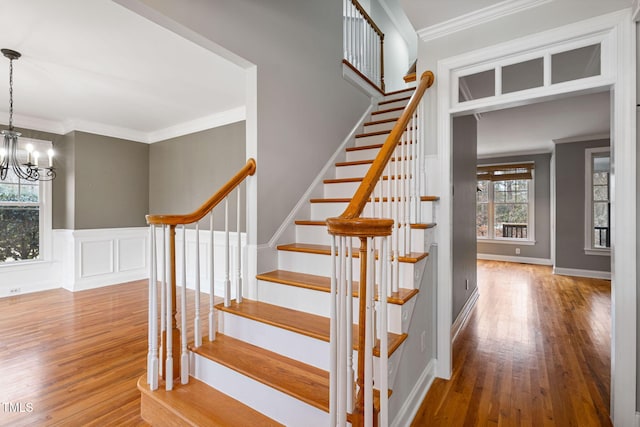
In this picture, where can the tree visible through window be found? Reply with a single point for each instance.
(19, 219)
(503, 202)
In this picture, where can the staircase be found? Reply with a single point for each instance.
(269, 363)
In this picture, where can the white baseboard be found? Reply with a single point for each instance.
(464, 314)
(27, 277)
(593, 274)
(410, 407)
(521, 259)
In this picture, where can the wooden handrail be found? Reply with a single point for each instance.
(247, 170)
(363, 193)
(367, 18)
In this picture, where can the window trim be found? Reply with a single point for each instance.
(531, 239)
(588, 201)
(45, 202)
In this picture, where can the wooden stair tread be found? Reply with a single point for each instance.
(355, 179)
(377, 199)
(299, 322)
(406, 98)
(388, 110)
(304, 382)
(410, 89)
(309, 248)
(378, 132)
(419, 226)
(380, 122)
(323, 284)
(365, 162)
(196, 404)
(371, 147)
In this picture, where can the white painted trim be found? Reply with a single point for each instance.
(477, 17)
(637, 419)
(582, 138)
(513, 153)
(635, 14)
(519, 259)
(464, 314)
(619, 63)
(593, 274)
(599, 252)
(507, 242)
(212, 121)
(317, 183)
(356, 80)
(410, 407)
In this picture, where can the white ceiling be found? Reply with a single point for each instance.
(426, 13)
(93, 65)
(533, 128)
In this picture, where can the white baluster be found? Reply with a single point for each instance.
(212, 281)
(342, 342)
(384, 344)
(227, 281)
(349, 324)
(169, 334)
(197, 333)
(368, 341)
(163, 296)
(396, 219)
(238, 253)
(184, 355)
(333, 341)
(152, 371)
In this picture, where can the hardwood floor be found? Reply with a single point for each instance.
(534, 352)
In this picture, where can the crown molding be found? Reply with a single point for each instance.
(480, 16)
(635, 8)
(582, 138)
(214, 120)
(62, 128)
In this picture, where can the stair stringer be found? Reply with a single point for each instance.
(416, 368)
(287, 231)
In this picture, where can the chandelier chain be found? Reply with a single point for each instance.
(10, 94)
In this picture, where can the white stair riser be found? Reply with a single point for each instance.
(348, 189)
(398, 103)
(322, 211)
(362, 141)
(368, 154)
(318, 302)
(394, 114)
(320, 265)
(352, 171)
(402, 94)
(269, 401)
(379, 127)
(280, 341)
(318, 235)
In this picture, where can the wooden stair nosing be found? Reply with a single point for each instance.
(372, 146)
(406, 98)
(356, 179)
(197, 404)
(378, 132)
(381, 122)
(377, 199)
(417, 226)
(323, 284)
(366, 162)
(395, 92)
(303, 323)
(290, 376)
(410, 258)
(388, 110)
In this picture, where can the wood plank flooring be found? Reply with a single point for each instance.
(534, 352)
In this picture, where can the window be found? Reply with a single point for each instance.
(22, 219)
(504, 202)
(597, 203)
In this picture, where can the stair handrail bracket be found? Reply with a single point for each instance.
(384, 207)
(168, 355)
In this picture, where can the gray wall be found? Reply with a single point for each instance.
(542, 210)
(111, 182)
(465, 135)
(570, 215)
(184, 172)
(305, 108)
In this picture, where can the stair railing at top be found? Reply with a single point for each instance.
(363, 43)
(390, 193)
(163, 360)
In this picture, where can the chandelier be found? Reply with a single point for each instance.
(28, 169)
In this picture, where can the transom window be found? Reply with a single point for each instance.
(504, 202)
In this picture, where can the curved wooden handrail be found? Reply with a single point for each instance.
(367, 18)
(363, 193)
(247, 170)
